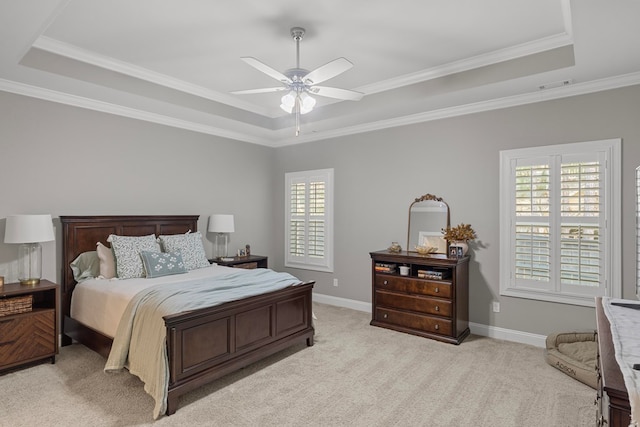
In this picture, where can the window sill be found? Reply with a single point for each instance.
(585, 301)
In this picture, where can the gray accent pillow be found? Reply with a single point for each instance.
(126, 250)
(158, 264)
(86, 266)
(190, 247)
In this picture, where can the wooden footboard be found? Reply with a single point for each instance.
(207, 344)
(204, 344)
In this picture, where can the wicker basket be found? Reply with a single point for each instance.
(15, 305)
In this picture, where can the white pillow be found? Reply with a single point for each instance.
(190, 247)
(107, 261)
(126, 250)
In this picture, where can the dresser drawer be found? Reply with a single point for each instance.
(436, 288)
(435, 306)
(27, 336)
(414, 321)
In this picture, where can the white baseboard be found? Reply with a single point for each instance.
(508, 334)
(476, 328)
(342, 302)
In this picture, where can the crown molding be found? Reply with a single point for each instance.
(477, 107)
(73, 52)
(76, 53)
(497, 56)
(119, 110)
(443, 113)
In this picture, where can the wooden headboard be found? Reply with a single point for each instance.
(81, 233)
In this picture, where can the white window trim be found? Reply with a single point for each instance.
(326, 263)
(612, 251)
(638, 232)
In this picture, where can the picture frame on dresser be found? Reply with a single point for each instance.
(432, 239)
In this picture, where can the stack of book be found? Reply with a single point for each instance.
(431, 274)
(383, 267)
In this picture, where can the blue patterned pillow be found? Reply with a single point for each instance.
(126, 250)
(190, 247)
(158, 264)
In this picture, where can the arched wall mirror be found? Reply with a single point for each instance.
(428, 215)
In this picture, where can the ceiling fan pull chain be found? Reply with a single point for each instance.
(297, 115)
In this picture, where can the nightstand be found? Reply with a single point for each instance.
(31, 335)
(250, 261)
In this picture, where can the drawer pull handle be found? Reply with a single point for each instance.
(437, 327)
(437, 308)
(436, 290)
(385, 315)
(385, 283)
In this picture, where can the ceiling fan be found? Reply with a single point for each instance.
(300, 83)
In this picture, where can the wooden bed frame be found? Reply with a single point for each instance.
(236, 333)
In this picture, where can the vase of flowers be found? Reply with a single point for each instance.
(459, 236)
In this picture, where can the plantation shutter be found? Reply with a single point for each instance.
(308, 228)
(560, 222)
(581, 222)
(557, 211)
(532, 228)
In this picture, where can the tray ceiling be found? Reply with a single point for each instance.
(176, 63)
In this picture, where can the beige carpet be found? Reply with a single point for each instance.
(355, 375)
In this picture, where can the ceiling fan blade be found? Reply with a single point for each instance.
(263, 90)
(328, 70)
(261, 66)
(334, 92)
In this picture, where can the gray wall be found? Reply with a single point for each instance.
(68, 161)
(378, 174)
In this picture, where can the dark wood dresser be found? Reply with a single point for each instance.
(432, 300)
(612, 400)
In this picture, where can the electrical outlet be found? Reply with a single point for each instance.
(495, 305)
(335, 282)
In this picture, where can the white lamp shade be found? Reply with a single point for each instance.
(28, 229)
(221, 223)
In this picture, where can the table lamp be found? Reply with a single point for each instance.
(29, 231)
(221, 224)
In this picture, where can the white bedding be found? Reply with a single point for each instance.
(625, 334)
(100, 303)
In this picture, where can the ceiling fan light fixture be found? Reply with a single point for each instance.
(306, 103)
(288, 102)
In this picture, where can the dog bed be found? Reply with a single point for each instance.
(574, 353)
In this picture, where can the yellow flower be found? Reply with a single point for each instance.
(459, 233)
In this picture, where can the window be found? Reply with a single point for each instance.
(561, 209)
(309, 220)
